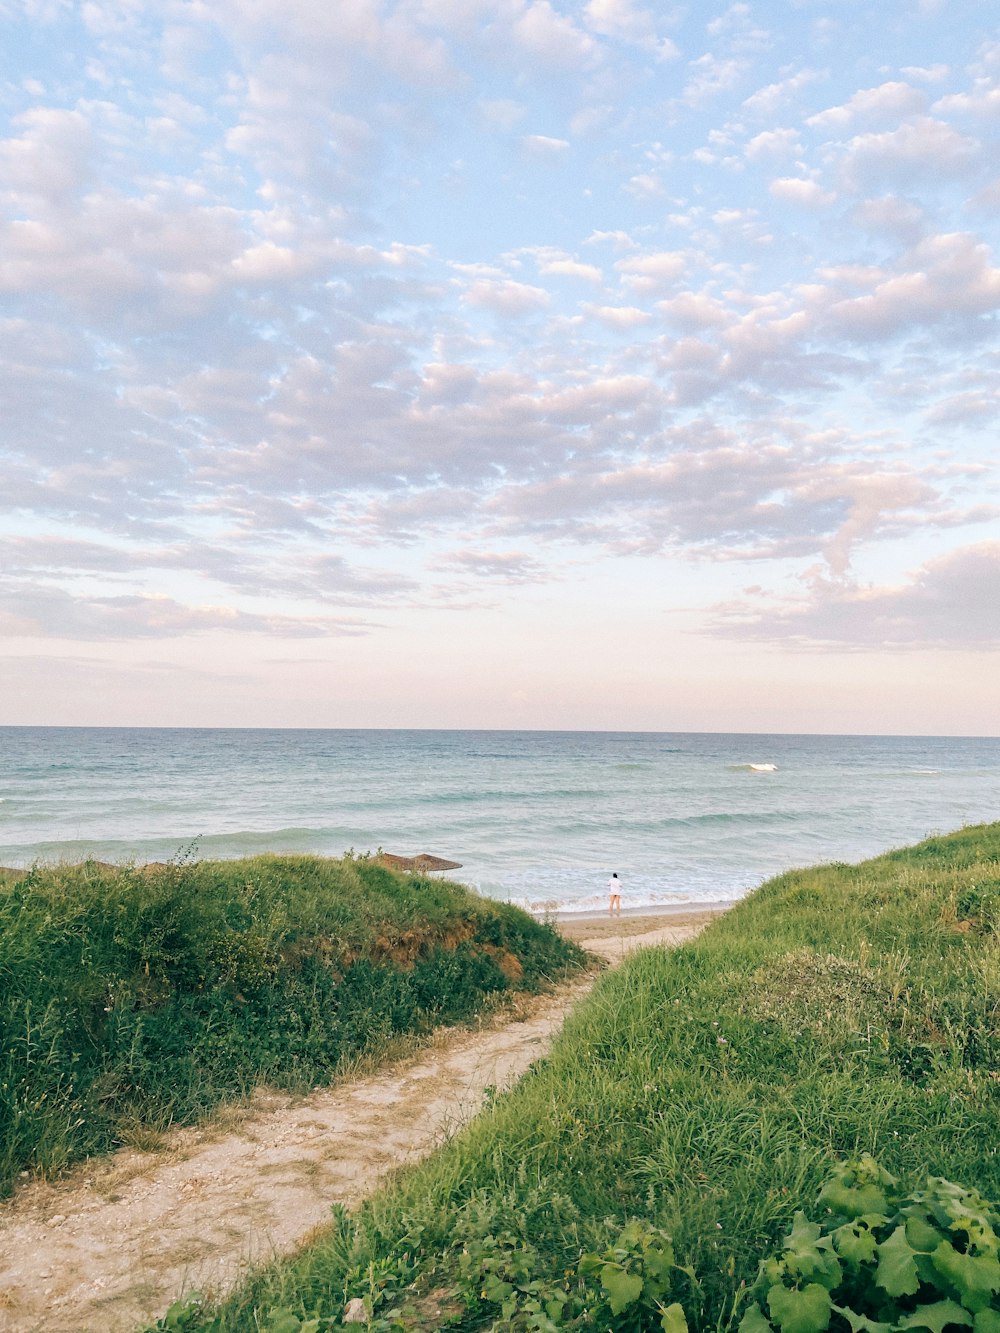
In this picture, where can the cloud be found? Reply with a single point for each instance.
(888, 102)
(51, 158)
(506, 297)
(710, 77)
(541, 145)
(617, 316)
(805, 193)
(552, 37)
(983, 102)
(945, 277)
(626, 22)
(951, 602)
(647, 273)
(40, 611)
(501, 566)
(773, 143)
(923, 148)
(766, 102)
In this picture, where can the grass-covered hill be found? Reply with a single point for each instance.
(132, 998)
(705, 1093)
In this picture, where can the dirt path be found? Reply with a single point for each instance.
(110, 1245)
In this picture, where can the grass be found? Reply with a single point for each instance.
(708, 1090)
(134, 998)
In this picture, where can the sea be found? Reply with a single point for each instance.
(539, 818)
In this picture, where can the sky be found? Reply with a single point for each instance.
(500, 363)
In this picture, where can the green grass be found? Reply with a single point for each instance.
(136, 998)
(839, 1010)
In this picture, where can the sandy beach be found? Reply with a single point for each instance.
(612, 937)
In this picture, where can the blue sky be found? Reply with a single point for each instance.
(570, 363)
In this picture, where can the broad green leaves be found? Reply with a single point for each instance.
(929, 1263)
(800, 1310)
(622, 1289)
(897, 1268)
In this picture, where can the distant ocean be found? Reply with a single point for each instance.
(540, 818)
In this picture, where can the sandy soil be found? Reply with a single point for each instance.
(108, 1246)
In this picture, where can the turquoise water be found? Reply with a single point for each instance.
(537, 817)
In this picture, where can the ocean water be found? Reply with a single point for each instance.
(540, 818)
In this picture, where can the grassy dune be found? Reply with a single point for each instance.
(707, 1091)
(135, 998)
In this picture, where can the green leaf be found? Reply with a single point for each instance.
(986, 1321)
(922, 1235)
(897, 1271)
(754, 1321)
(805, 1311)
(936, 1316)
(622, 1289)
(856, 1189)
(855, 1242)
(658, 1265)
(672, 1319)
(974, 1277)
(860, 1323)
(283, 1321)
(495, 1289)
(809, 1254)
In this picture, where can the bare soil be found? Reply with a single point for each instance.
(108, 1246)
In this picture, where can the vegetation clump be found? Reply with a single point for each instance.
(133, 998)
(698, 1100)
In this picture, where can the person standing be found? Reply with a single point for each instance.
(615, 894)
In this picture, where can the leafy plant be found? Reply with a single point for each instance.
(879, 1262)
(622, 1288)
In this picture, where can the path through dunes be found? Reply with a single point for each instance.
(109, 1246)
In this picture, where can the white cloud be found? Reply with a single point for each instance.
(50, 158)
(888, 102)
(617, 316)
(923, 148)
(542, 145)
(38, 611)
(983, 101)
(626, 22)
(766, 102)
(796, 190)
(507, 297)
(773, 143)
(946, 277)
(710, 77)
(951, 602)
(552, 37)
(646, 273)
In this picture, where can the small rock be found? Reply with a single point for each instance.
(55, 1221)
(355, 1313)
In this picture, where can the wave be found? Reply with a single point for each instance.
(752, 768)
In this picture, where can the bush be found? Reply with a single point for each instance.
(136, 998)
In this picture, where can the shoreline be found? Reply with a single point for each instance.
(652, 926)
(651, 910)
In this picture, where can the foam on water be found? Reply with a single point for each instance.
(540, 818)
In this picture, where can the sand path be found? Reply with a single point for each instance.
(107, 1247)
